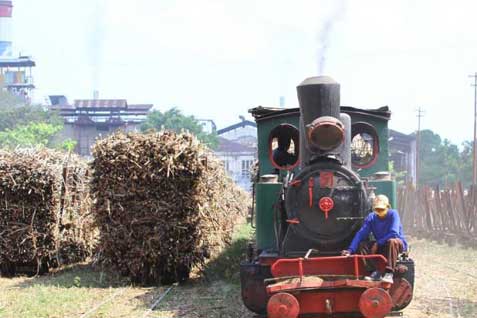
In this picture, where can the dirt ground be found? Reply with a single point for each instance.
(446, 286)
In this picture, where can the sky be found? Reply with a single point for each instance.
(216, 59)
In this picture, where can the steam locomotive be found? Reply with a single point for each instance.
(319, 168)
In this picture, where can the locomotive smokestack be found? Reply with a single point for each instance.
(319, 99)
(319, 96)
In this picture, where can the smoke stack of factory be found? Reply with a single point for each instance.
(16, 74)
(6, 8)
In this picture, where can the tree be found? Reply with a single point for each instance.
(173, 119)
(31, 135)
(27, 125)
(466, 162)
(441, 162)
(24, 115)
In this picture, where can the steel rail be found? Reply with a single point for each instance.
(158, 301)
(107, 300)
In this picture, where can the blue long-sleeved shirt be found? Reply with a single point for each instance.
(382, 229)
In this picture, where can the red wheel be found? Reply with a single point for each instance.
(283, 305)
(375, 303)
(401, 293)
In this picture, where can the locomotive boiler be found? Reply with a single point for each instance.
(319, 168)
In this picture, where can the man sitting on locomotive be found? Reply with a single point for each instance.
(281, 156)
(386, 227)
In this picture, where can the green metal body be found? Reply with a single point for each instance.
(267, 196)
(264, 128)
(388, 188)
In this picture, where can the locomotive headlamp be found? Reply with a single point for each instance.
(326, 133)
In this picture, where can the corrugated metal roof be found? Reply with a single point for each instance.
(20, 62)
(58, 100)
(261, 112)
(140, 106)
(100, 103)
(241, 124)
(400, 136)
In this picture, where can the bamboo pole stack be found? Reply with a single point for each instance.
(440, 214)
(163, 205)
(45, 210)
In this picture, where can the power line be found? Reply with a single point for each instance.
(420, 114)
(474, 152)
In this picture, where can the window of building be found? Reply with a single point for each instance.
(246, 166)
(225, 164)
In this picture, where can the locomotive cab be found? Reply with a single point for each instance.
(319, 166)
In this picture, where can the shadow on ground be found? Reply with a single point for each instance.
(213, 293)
(79, 276)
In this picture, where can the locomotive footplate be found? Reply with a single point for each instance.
(327, 286)
(307, 283)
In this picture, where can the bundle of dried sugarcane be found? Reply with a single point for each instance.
(163, 204)
(45, 210)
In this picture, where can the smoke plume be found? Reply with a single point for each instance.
(96, 43)
(324, 37)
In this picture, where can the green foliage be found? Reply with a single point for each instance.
(227, 264)
(400, 176)
(466, 160)
(31, 135)
(77, 281)
(24, 125)
(441, 162)
(68, 145)
(173, 119)
(12, 115)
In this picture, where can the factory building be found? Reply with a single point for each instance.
(15, 72)
(87, 120)
(238, 151)
(402, 152)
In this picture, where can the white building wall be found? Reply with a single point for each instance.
(240, 132)
(238, 166)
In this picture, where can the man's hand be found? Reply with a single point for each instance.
(374, 248)
(345, 253)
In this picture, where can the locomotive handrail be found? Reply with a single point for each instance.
(300, 262)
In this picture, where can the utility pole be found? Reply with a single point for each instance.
(474, 152)
(420, 114)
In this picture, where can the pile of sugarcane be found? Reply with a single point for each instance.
(45, 210)
(163, 205)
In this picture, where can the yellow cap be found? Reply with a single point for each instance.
(381, 202)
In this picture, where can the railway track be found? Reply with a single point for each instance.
(158, 300)
(104, 302)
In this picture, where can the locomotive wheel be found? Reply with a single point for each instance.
(401, 293)
(283, 305)
(375, 303)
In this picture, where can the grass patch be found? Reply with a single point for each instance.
(67, 293)
(75, 290)
(227, 264)
(218, 299)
